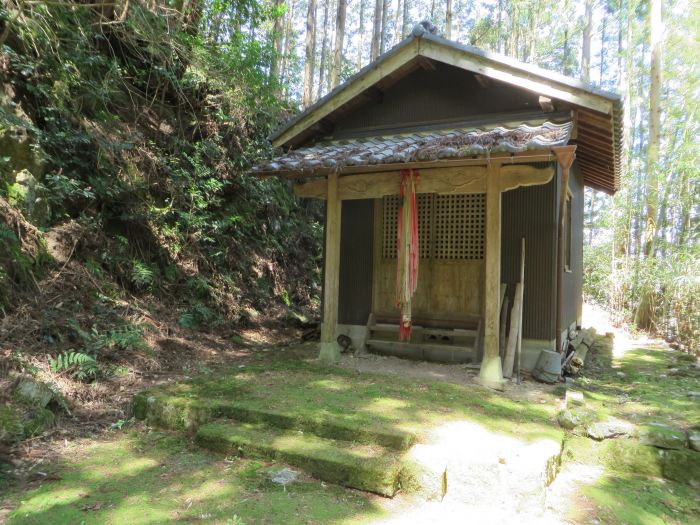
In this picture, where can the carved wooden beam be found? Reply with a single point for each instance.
(466, 179)
(518, 175)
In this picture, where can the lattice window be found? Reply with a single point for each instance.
(459, 226)
(390, 206)
(449, 226)
(391, 214)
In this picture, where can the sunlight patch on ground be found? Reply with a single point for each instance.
(486, 471)
(331, 384)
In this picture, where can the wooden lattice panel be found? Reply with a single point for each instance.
(424, 202)
(390, 206)
(459, 226)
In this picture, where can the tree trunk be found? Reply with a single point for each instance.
(339, 39)
(277, 39)
(376, 29)
(405, 29)
(361, 35)
(385, 29)
(586, 45)
(499, 25)
(324, 44)
(309, 64)
(448, 19)
(643, 316)
(288, 33)
(397, 26)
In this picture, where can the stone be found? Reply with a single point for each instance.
(660, 435)
(285, 476)
(619, 455)
(31, 196)
(425, 473)
(11, 428)
(574, 398)
(694, 395)
(35, 393)
(611, 428)
(682, 466)
(694, 439)
(567, 419)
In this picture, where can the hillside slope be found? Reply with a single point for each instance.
(126, 215)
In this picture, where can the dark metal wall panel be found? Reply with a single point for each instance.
(356, 242)
(573, 280)
(445, 93)
(531, 213)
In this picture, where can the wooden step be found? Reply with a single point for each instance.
(365, 467)
(441, 353)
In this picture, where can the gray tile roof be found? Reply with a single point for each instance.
(419, 146)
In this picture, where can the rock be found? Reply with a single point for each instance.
(621, 375)
(285, 476)
(574, 398)
(34, 393)
(618, 455)
(567, 419)
(682, 466)
(694, 395)
(425, 474)
(11, 428)
(663, 436)
(611, 428)
(31, 196)
(694, 439)
(15, 427)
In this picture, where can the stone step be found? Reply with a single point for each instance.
(181, 412)
(366, 467)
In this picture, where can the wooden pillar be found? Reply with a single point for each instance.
(329, 349)
(565, 157)
(491, 372)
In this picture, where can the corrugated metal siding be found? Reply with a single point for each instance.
(573, 280)
(531, 213)
(446, 93)
(356, 242)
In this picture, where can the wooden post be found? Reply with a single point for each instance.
(329, 349)
(491, 373)
(519, 350)
(565, 157)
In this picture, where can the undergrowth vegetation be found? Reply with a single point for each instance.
(126, 137)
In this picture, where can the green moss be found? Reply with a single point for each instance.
(11, 427)
(345, 405)
(364, 467)
(144, 478)
(616, 455)
(682, 466)
(636, 500)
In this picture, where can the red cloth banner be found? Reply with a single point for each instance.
(408, 254)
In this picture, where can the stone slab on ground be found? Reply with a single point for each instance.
(682, 466)
(177, 412)
(661, 435)
(365, 467)
(620, 455)
(610, 428)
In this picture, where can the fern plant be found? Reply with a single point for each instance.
(81, 366)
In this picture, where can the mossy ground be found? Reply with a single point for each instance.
(645, 384)
(312, 393)
(147, 477)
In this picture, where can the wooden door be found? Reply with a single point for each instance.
(451, 270)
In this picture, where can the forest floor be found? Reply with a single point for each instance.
(124, 471)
